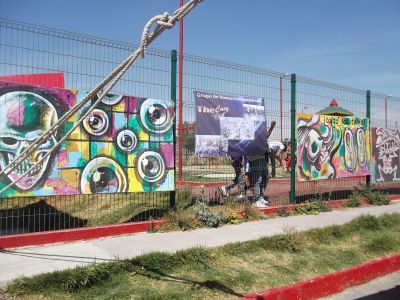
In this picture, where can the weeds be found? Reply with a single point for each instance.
(354, 199)
(282, 212)
(377, 198)
(251, 213)
(230, 216)
(307, 208)
(180, 219)
(206, 217)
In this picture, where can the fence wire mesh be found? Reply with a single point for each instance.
(85, 60)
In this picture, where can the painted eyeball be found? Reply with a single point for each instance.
(156, 115)
(126, 140)
(151, 166)
(96, 123)
(103, 175)
(110, 99)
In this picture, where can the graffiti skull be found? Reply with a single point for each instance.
(388, 145)
(24, 116)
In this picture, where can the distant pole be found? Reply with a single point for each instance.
(280, 102)
(368, 101)
(293, 157)
(386, 112)
(180, 130)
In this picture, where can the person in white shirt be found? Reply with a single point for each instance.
(257, 168)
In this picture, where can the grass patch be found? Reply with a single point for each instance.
(225, 272)
(382, 243)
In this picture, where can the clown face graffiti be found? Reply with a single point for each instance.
(24, 117)
(315, 145)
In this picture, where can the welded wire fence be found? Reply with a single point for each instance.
(85, 60)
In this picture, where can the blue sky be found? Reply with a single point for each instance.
(350, 42)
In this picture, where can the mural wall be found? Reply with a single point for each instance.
(332, 147)
(124, 145)
(385, 154)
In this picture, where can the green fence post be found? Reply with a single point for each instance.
(293, 139)
(174, 59)
(368, 177)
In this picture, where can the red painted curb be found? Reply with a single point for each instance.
(332, 204)
(332, 283)
(75, 234)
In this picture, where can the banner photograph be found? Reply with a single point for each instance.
(124, 145)
(385, 154)
(332, 147)
(229, 125)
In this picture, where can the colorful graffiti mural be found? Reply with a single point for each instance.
(385, 154)
(332, 147)
(124, 145)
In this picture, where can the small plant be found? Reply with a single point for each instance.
(206, 216)
(201, 197)
(376, 198)
(282, 212)
(180, 219)
(230, 216)
(323, 206)
(307, 208)
(151, 228)
(251, 213)
(354, 199)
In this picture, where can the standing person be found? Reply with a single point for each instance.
(275, 150)
(258, 171)
(237, 163)
(288, 158)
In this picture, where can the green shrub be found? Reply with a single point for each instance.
(251, 213)
(377, 198)
(180, 219)
(307, 208)
(206, 216)
(354, 200)
(230, 215)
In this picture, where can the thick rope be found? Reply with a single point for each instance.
(163, 22)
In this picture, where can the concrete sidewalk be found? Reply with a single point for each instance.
(36, 260)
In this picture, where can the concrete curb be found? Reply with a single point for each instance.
(332, 283)
(75, 234)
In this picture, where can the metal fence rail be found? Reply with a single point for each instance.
(85, 60)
